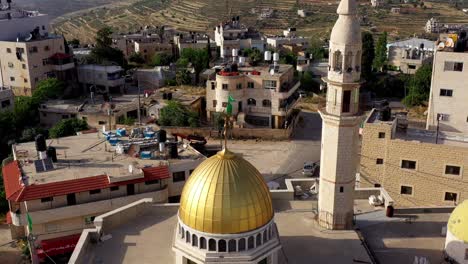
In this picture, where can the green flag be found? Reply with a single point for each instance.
(29, 222)
(229, 105)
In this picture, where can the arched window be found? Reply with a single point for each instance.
(251, 101)
(250, 242)
(357, 61)
(232, 245)
(212, 245)
(259, 240)
(266, 103)
(202, 243)
(271, 232)
(265, 236)
(187, 236)
(182, 235)
(349, 61)
(337, 61)
(194, 240)
(242, 244)
(222, 245)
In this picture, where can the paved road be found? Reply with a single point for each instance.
(305, 146)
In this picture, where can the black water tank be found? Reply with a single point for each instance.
(41, 143)
(173, 150)
(169, 96)
(390, 211)
(52, 153)
(162, 136)
(164, 96)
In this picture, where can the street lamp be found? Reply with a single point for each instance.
(440, 117)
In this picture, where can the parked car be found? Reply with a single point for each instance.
(302, 94)
(310, 168)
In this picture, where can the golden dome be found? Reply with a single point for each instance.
(225, 195)
(458, 222)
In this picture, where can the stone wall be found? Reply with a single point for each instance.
(237, 133)
(428, 180)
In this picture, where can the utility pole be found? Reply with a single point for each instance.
(439, 117)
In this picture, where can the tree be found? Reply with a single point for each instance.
(199, 59)
(419, 86)
(183, 77)
(49, 88)
(254, 55)
(175, 114)
(67, 127)
(308, 83)
(288, 58)
(104, 52)
(368, 55)
(381, 52)
(317, 51)
(136, 58)
(162, 59)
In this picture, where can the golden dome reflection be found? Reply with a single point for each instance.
(225, 195)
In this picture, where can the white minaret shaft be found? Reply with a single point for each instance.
(341, 118)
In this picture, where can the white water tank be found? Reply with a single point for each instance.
(235, 52)
(267, 55)
(276, 57)
(241, 61)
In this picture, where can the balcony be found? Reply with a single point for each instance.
(287, 89)
(64, 67)
(91, 208)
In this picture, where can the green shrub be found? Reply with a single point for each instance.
(67, 127)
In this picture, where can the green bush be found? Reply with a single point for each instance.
(67, 127)
(175, 114)
(128, 121)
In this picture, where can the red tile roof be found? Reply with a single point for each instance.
(16, 192)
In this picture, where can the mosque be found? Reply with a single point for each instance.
(226, 212)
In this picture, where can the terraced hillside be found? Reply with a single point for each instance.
(202, 15)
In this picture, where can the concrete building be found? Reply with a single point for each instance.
(234, 35)
(17, 23)
(341, 118)
(7, 99)
(433, 25)
(193, 40)
(148, 50)
(264, 96)
(289, 38)
(24, 63)
(409, 55)
(104, 79)
(377, 3)
(154, 78)
(413, 169)
(456, 244)
(89, 177)
(448, 97)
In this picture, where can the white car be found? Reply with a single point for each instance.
(302, 94)
(310, 168)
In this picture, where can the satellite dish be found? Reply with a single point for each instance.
(29, 37)
(449, 43)
(441, 46)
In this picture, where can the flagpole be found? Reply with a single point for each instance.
(30, 237)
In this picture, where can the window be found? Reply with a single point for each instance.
(251, 101)
(381, 134)
(12, 79)
(45, 61)
(269, 84)
(407, 190)
(47, 199)
(239, 86)
(89, 220)
(114, 188)
(178, 176)
(46, 48)
(411, 66)
(341, 189)
(33, 49)
(51, 227)
(453, 66)
(25, 80)
(446, 92)
(224, 104)
(337, 61)
(450, 197)
(225, 86)
(19, 50)
(213, 86)
(151, 182)
(452, 170)
(379, 161)
(24, 66)
(250, 85)
(95, 191)
(64, 116)
(8, 50)
(102, 122)
(6, 103)
(266, 103)
(215, 103)
(10, 64)
(212, 245)
(408, 164)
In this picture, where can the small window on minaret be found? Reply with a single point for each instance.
(341, 189)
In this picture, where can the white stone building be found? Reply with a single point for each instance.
(341, 120)
(410, 54)
(105, 79)
(433, 25)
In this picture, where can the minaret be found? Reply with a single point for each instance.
(341, 121)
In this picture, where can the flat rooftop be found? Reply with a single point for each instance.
(150, 237)
(401, 238)
(89, 155)
(264, 69)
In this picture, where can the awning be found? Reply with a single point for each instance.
(58, 246)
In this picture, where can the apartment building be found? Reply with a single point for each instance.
(448, 99)
(265, 95)
(147, 38)
(103, 78)
(83, 176)
(7, 99)
(289, 38)
(409, 55)
(414, 169)
(234, 35)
